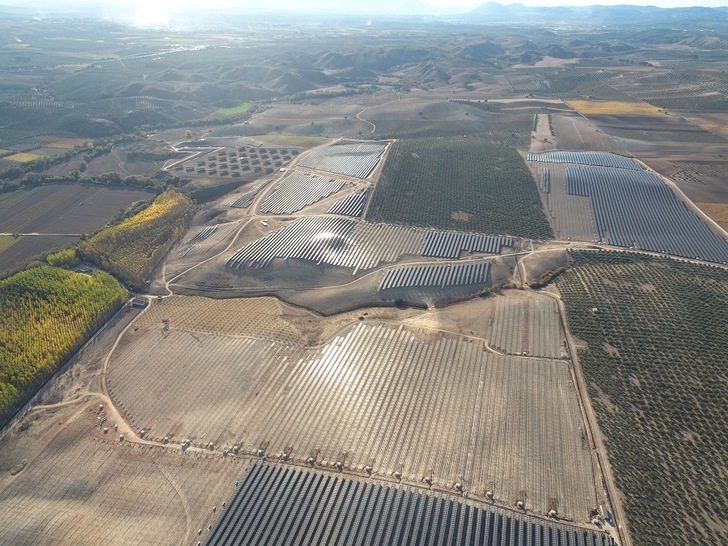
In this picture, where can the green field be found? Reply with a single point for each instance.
(657, 371)
(47, 314)
(6, 241)
(459, 183)
(238, 110)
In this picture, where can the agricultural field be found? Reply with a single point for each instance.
(717, 212)
(70, 305)
(589, 108)
(490, 189)
(23, 157)
(132, 249)
(64, 208)
(368, 372)
(653, 351)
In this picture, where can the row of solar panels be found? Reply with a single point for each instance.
(298, 190)
(203, 234)
(597, 159)
(546, 180)
(437, 275)
(357, 161)
(277, 505)
(638, 209)
(348, 243)
(351, 205)
(449, 244)
(311, 238)
(245, 199)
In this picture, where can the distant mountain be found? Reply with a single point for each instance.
(623, 14)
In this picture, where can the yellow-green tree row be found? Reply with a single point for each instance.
(132, 249)
(47, 313)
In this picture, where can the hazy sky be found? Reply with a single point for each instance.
(161, 13)
(306, 5)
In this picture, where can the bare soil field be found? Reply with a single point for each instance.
(575, 133)
(418, 109)
(590, 108)
(61, 212)
(26, 249)
(86, 487)
(67, 208)
(665, 128)
(375, 394)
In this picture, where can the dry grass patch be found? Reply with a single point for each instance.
(68, 143)
(717, 211)
(615, 108)
(24, 157)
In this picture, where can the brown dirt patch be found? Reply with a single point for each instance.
(717, 211)
(588, 107)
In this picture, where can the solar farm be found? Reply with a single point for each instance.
(227, 392)
(359, 245)
(432, 285)
(351, 205)
(242, 162)
(355, 160)
(297, 191)
(610, 199)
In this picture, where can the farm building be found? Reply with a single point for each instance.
(276, 504)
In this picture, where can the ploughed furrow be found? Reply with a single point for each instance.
(412, 402)
(275, 505)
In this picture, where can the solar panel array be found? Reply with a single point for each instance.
(275, 505)
(316, 238)
(635, 208)
(527, 325)
(299, 190)
(351, 205)
(436, 275)
(359, 245)
(546, 180)
(596, 159)
(245, 199)
(203, 234)
(449, 244)
(207, 239)
(351, 160)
